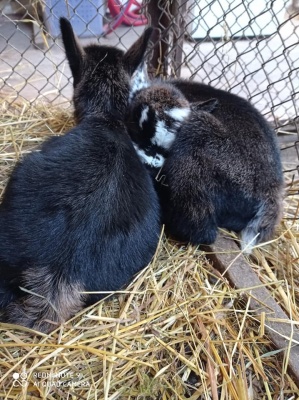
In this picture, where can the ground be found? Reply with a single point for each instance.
(179, 331)
(42, 74)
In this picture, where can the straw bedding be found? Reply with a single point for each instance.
(179, 331)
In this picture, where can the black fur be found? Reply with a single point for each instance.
(101, 73)
(80, 214)
(159, 98)
(235, 157)
(223, 168)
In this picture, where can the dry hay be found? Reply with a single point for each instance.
(179, 331)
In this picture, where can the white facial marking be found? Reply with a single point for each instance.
(143, 117)
(179, 114)
(157, 161)
(163, 136)
(143, 157)
(139, 80)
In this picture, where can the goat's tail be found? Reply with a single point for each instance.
(262, 226)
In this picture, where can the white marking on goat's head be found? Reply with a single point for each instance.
(163, 137)
(144, 158)
(158, 161)
(155, 161)
(178, 114)
(144, 116)
(139, 80)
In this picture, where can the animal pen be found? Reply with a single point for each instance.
(197, 323)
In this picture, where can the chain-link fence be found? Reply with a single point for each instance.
(248, 47)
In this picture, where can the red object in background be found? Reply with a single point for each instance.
(123, 14)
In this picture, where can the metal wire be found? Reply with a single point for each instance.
(248, 47)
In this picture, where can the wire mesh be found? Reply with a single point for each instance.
(248, 47)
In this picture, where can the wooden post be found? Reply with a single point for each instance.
(159, 17)
(284, 334)
(169, 18)
(178, 11)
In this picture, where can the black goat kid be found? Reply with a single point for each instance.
(80, 214)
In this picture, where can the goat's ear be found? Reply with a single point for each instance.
(208, 105)
(139, 80)
(135, 55)
(74, 51)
